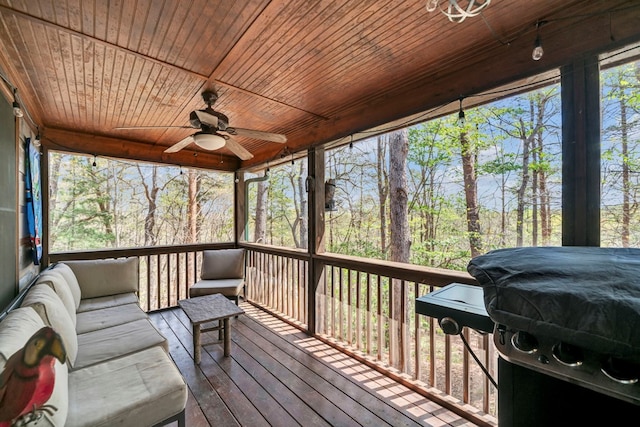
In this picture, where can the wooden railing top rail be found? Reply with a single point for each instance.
(277, 250)
(410, 272)
(128, 252)
(399, 270)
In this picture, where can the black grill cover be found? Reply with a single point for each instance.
(585, 296)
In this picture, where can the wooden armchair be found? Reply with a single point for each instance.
(222, 272)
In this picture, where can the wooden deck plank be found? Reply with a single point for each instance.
(344, 394)
(276, 382)
(283, 368)
(244, 411)
(208, 400)
(277, 375)
(371, 388)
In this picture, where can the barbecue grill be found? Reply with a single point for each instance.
(567, 330)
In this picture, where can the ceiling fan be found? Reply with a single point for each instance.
(215, 131)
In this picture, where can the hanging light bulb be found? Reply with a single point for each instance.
(17, 111)
(94, 161)
(537, 49)
(461, 119)
(537, 45)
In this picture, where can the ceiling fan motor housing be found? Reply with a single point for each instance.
(223, 121)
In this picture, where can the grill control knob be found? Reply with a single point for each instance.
(567, 354)
(524, 342)
(621, 371)
(449, 326)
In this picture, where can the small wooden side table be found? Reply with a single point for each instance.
(209, 308)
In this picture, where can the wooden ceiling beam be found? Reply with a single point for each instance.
(77, 142)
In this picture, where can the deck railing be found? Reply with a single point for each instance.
(366, 307)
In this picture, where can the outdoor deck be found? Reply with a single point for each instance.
(279, 376)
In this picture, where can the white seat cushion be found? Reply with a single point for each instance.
(94, 320)
(116, 341)
(106, 302)
(140, 389)
(102, 277)
(226, 287)
(48, 305)
(72, 280)
(58, 283)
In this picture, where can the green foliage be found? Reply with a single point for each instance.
(107, 205)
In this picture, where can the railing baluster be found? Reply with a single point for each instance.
(417, 338)
(358, 312)
(349, 308)
(379, 318)
(148, 258)
(369, 314)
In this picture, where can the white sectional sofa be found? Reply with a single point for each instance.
(118, 370)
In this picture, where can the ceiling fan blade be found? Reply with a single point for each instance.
(179, 145)
(256, 134)
(151, 127)
(238, 149)
(206, 118)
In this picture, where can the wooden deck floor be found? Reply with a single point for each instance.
(279, 376)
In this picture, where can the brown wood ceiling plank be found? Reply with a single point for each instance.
(127, 23)
(74, 13)
(100, 20)
(87, 11)
(270, 43)
(288, 44)
(360, 67)
(273, 16)
(159, 20)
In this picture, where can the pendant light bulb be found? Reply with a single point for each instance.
(461, 119)
(537, 49)
(17, 111)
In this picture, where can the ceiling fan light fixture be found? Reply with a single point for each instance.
(458, 10)
(209, 141)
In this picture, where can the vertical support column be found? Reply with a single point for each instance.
(44, 233)
(581, 152)
(240, 207)
(315, 185)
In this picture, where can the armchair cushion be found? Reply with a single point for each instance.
(226, 287)
(222, 264)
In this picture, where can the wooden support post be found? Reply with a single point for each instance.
(239, 194)
(315, 185)
(581, 153)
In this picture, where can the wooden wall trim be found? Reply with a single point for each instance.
(77, 142)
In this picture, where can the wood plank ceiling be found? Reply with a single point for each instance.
(312, 70)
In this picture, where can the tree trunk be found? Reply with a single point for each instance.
(151, 193)
(260, 230)
(526, 143)
(383, 190)
(193, 208)
(626, 185)
(471, 195)
(400, 243)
